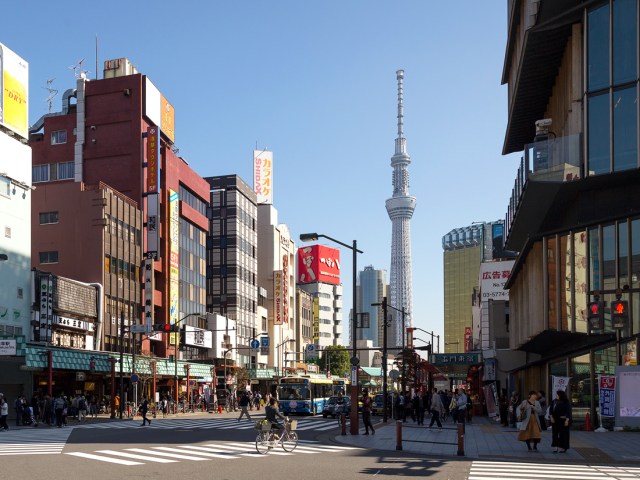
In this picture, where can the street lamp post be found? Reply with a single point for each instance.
(312, 237)
(385, 389)
(175, 356)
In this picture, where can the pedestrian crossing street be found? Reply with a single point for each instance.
(315, 424)
(33, 442)
(199, 453)
(481, 470)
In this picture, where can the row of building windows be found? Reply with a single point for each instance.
(53, 171)
(121, 268)
(194, 202)
(123, 230)
(581, 264)
(612, 87)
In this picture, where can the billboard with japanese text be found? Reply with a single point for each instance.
(263, 176)
(174, 259)
(493, 277)
(318, 263)
(278, 297)
(14, 100)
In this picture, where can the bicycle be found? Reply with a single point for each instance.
(267, 438)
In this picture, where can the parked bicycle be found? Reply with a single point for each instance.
(269, 438)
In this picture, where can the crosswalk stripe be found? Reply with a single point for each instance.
(488, 470)
(491, 473)
(31, 452)
(203, 451)
(200, 454)
(167, 454)
(103, 459)
(271, 452)
(138, 457)
(249, 451)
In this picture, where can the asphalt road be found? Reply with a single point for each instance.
(205, 447)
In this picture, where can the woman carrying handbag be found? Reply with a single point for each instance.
(528, 412)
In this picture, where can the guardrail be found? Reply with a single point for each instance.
(460, 429)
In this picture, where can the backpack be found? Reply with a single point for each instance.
(82, 404)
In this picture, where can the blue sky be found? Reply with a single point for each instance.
(313, 81)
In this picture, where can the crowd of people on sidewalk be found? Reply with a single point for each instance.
(48, 410)
(440, 404)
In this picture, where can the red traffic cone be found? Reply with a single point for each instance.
(587, 424)
(219, 408)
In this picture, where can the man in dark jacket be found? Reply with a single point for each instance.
(144, 407)
(244, 405)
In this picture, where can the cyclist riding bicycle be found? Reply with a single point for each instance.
(272, 415)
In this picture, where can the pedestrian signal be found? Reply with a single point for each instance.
(619, 314)
(596, 316)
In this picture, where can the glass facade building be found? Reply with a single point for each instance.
(575, 222)
(371, 289)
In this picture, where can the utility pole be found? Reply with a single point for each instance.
(385, 391)
(121, 337)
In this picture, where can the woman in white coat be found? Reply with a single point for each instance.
(528, 412)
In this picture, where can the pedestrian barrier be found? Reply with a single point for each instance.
(460, 429)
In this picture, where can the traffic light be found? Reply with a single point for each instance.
(165, 327)
(596, 315)
(619, 313)
(92, 365)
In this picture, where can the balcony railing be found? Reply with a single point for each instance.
(556, 160)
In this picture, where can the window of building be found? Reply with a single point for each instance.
(5, 187)
(64, 171)
(58, 137)
(552, 273)
(48, 257)
(40, 173)
(612, 87)
(48, 218)
(635, 253)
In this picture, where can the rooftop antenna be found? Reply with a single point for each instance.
(52, 93)
(77, 69)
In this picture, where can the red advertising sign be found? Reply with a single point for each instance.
(608, 382)
(153, 150)
(467, 339)
(318, 264)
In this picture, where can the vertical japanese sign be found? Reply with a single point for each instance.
(153, 154)
(467, 339)
(174, 261)
(46, 307)
(263, 176)
(148, 293)
(607, 395)
(285, 288)
(153, 224)
(316, 319)
(277, 297)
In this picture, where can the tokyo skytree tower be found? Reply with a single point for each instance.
(400, 208)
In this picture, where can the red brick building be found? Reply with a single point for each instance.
(89, 178)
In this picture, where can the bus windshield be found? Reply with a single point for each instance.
(293, 391)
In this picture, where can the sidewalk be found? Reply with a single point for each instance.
(105, 418)
(486, 439)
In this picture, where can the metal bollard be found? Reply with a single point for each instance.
(344, 424)
(398, 435)
(461, 439)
